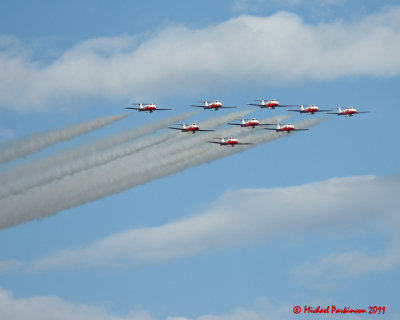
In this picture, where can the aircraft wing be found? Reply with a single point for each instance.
(304, 111)
(214, 142)
(132, 108)
(210, 107)
(256, 104)
(235, 124)
(243, 143)
(159, 109)
(283, 130)
(267, 106)
(338, 113)
(186, 129)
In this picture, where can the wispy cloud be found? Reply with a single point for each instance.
(351, 263)
(54, 308)
(9, 265)
(245, 216)
(50, 307)
(182, 59)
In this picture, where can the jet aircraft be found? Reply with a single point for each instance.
(214, 105)
(311, 109)
(285, 128)
(229, 142)
(192, 128)
(251, 123)
(348, 112)
(270, 104)
(146, 107)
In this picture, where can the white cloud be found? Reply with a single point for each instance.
(53, 308)
(262, 50)
(9, 265)
(246, 216)
(352, 263)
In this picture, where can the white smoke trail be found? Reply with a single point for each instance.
(27, 182)
(35, 142)
(16, 186)
(86, 150)
(110, 179)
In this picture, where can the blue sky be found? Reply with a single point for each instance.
(311, 219)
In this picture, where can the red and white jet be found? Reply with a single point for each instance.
(270, 104)
(311, 109)
(214, 105)
(252, 123)
(147, 107)
(192, 128)
(285, 128)
(348, 112)
(229, 142)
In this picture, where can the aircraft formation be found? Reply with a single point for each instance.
(132, 157)
(252, 123)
